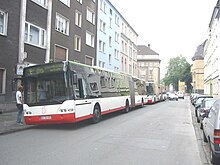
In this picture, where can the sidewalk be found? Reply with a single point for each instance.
(8, 107)
(8, 113)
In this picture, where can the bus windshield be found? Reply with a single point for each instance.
(46, 89)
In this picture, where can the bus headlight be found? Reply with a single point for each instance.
(28, 112)
(66, 110)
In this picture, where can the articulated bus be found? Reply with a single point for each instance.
(68, 92)
(155, 92)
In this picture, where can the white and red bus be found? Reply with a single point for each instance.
(68, 92)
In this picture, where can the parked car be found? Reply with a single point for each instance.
(180, 94)
(211, 132)
(197, 105)
(192, 96)
(173, 96)
(200, 98)
(203, 109)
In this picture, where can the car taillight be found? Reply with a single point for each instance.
(217, 136)
(204, 110)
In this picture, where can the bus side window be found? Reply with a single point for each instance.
(80, 86)
(80, 90)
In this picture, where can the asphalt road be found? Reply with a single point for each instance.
(159, 134)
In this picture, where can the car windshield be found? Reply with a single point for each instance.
(209, 103)
(199, 100)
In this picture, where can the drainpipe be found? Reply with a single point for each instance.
(49, 16)
(21, 54)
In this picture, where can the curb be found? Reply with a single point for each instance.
(8, 111)
(16, 130)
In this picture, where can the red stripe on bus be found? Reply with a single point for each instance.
(54, 119)
(84, 117)
(62, 118)
(113, 110)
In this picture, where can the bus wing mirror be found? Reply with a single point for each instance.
(74, 79)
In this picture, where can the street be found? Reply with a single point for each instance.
(158, 134)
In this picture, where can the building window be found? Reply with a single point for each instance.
(80, 1)
(126, 49)
(77, 43)
(90, 38)
(130, 69)
(42, 3)
(116, 54)
(62, 24)
(122, 64)
(116, 19)
(103, 6)
(102, 26)
(110, 41)
(116, 37)
(101, 46)
(90, 15)
(122, 46)
(89, 60)
(35, 35)
(78, 18)
(3, 22)
(130, 52)
(110, 59)
(110, 22)
(101, 64)
(2, 80)
(66, 2)
(61, 53)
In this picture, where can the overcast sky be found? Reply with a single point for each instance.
(171, 27)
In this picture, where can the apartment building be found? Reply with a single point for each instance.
(9, 42)
(149, 64)
(108, 36)
(128, 49)
(91, 32)
(42, 31)
(211, 55)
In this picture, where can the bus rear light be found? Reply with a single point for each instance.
(28, 113)
(217, 136)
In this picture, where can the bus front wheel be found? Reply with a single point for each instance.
(96, 114)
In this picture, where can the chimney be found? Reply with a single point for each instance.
(148, 45)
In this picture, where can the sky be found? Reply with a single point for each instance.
(171, 27)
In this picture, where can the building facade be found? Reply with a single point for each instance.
(108, 36)
(9, 42)
(211, 55)
(197, 70)
(128, 49)
(149, 65)
(42, 31)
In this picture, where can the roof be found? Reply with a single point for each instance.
(199, 52)
(215, 13)
(145, 50)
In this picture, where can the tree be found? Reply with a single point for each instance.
(178, 69)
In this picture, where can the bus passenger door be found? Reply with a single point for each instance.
(83, 106)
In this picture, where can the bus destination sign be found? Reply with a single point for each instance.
(39, 69)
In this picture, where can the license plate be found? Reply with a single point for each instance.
(45, 117)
